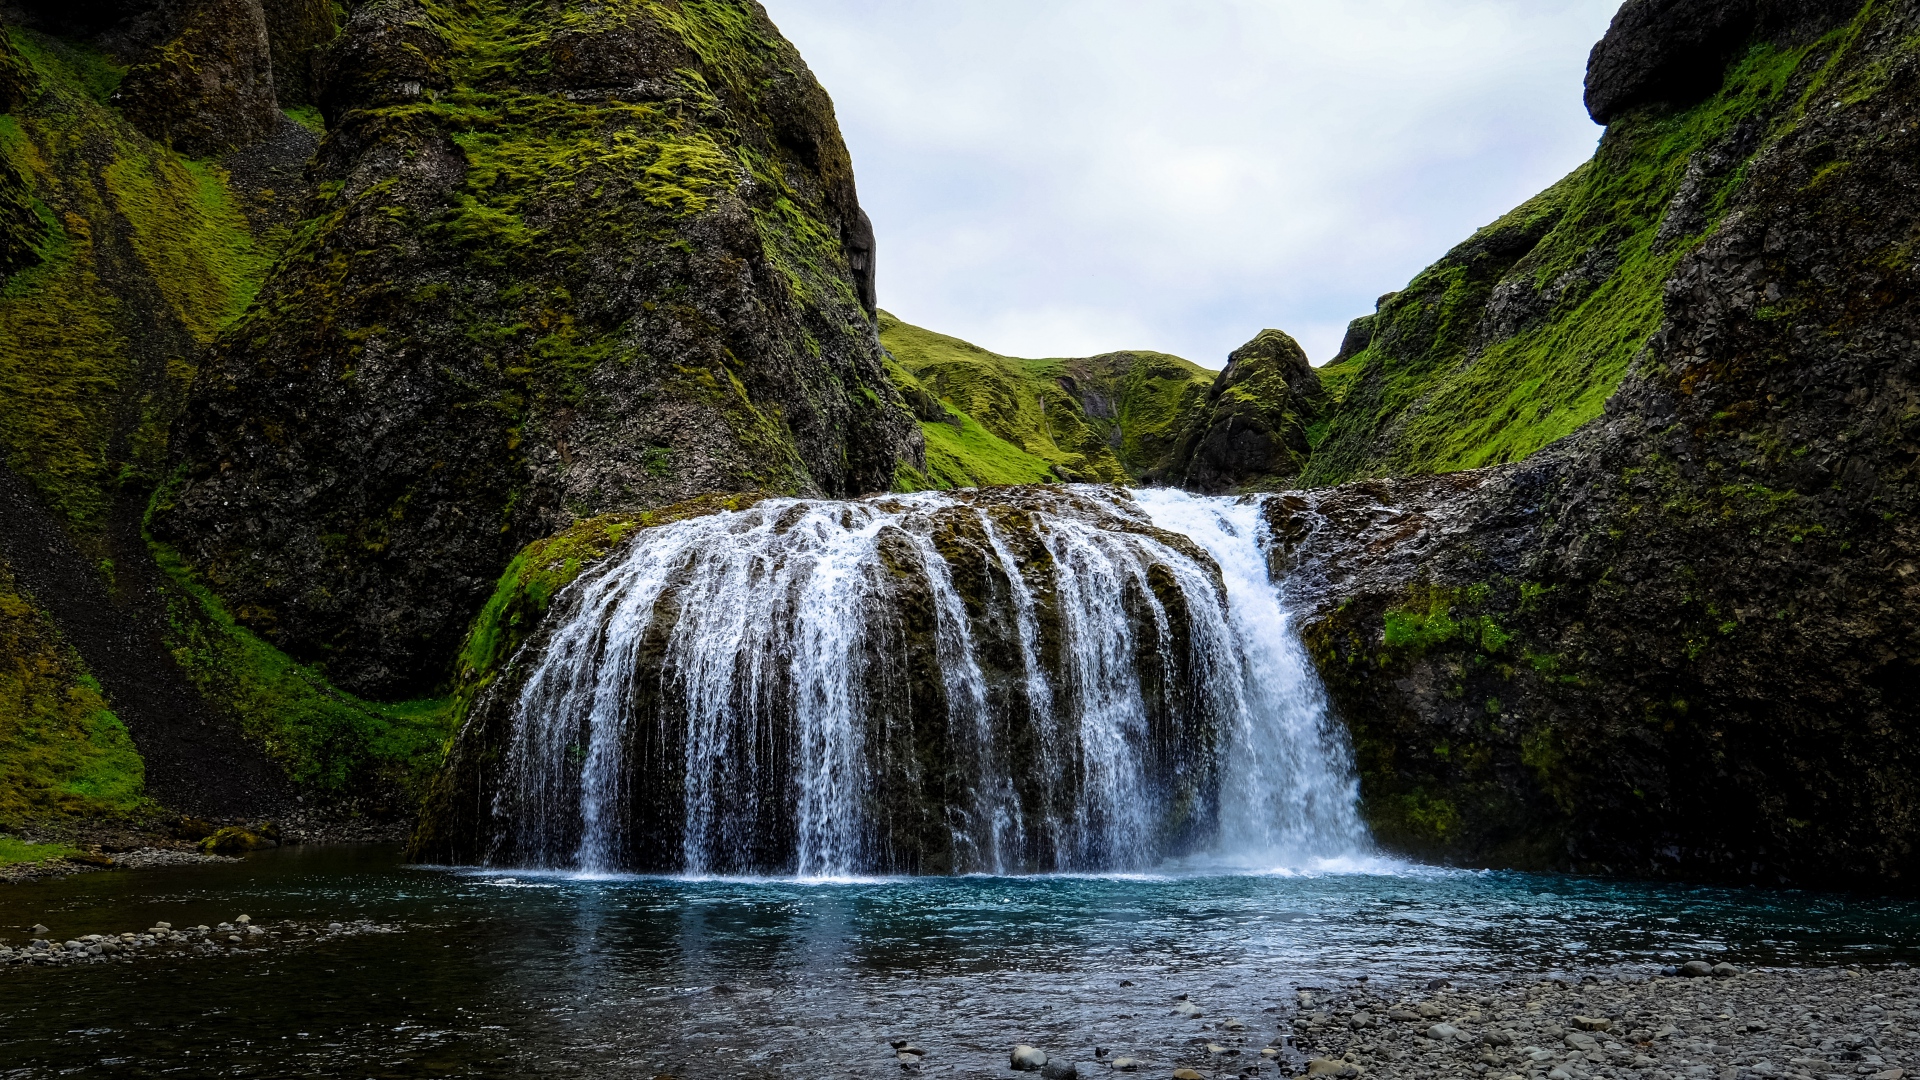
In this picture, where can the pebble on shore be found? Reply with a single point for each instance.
(162, 939)
(1785, 1025)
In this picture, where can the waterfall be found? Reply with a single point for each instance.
(1004, 681)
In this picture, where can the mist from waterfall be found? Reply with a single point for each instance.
(1048, 680)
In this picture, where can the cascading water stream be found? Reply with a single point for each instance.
(1291, 791)
(1031, 680)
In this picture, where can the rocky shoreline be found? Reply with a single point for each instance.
(1693, 1023)
(242, 935)
(186, 841)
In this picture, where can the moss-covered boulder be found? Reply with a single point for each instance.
(208, 88)
(1253, 431)
(562, 262)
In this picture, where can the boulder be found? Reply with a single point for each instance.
(1027, 1058)
(208, 89)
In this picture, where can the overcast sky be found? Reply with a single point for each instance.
(1069, 177)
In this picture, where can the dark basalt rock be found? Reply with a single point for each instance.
(21, 230)
(1359, 335)
(1681, 642)
(1674, 52)
(1255, 428)
(392, 52)
(298, 32)
(208, 89)
(617, 270)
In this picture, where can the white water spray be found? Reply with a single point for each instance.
(1034, 680)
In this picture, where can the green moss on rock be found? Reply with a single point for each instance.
(563, 262)
(63, 753)
(92, 370)
(328, 741)
(1519, 336)
(1256, 429)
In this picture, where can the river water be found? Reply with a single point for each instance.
(516, 974)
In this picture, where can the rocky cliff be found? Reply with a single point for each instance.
(1680, 642)
(558, 262)
(516, 265)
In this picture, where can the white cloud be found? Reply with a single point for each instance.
(1068, 177)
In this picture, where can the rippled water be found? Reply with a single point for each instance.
(515, 975)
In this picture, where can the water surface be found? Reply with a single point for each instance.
(503, 974)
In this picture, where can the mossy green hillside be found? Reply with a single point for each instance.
(1110, 418)
(63, 753)
(1518, 337)
(961, 453)
(92, 372)
(563, 261)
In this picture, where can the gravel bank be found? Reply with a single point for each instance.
(1807, 1025)
(1835, 1024)
(242, 935)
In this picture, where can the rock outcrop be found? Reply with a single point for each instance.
(207, 89)
(298, 33)
(1675, 52)
(1681, 642)
(1253, 430)
(606, 270)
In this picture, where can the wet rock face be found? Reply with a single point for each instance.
(1255, 430)
(976, 662)
(208, 88)
(1674, 52)
(1682, 642)
(605, 271)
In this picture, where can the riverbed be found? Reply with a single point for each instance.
(495, 973)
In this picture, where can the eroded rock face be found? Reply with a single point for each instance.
(1682, 642)
(1254, 430)
(605, 270)
(208, 88)
(21, 230)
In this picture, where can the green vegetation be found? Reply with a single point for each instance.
(68, 355)
(20, 852)
(65, 753)
(1518, 337)
(327, 740)
(992, 419)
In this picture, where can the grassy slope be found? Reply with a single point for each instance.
(1013, 421)
(62, 751)
(329, 741)
(1442, 389)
